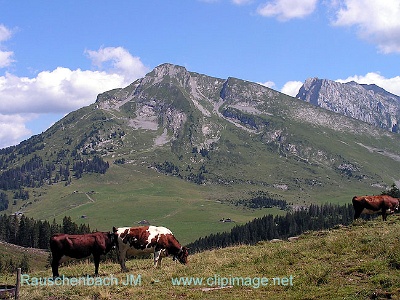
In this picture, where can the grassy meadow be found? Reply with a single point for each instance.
(128, 194)
(360, 261)
(125, 195)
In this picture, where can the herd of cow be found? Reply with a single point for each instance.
(134, 241)
(129, 241)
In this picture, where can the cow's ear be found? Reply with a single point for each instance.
(114, 229)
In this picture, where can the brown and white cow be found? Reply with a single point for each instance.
(374, 204)
(66, 246)
(135, 241)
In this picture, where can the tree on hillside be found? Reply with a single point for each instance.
(24, 264)
(55, 228)
(393, 191)
(3, 201)
(269, 227)
(69, 227)
(28, 232)
(44, 233)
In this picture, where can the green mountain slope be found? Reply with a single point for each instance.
(183, 147)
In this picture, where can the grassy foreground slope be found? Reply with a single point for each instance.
(360, 261)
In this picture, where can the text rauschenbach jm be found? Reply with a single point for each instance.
(136, 280)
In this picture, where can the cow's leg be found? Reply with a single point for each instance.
(96, 259)
(122, 259)
(384, 214)
(357, 213)
(157, 258)
(159, 261)
(54, 266)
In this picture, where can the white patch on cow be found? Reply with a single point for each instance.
(122, 230)
(154, 231)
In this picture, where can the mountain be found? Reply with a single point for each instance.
(185, 149)
(366, 102)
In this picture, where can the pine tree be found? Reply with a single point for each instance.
(24, 264)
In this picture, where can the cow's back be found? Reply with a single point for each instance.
(142, 239)
(373, 204)
(76, 246)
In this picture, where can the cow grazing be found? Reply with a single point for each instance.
(134, 241)
(374, 204)
(66, 246)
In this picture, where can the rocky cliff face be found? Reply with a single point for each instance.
(368, 103)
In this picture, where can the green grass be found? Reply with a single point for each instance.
(37, 258)
(129, 193)
(360, 261)
(126, 195)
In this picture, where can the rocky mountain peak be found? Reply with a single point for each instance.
(168, 69)
(368, 103)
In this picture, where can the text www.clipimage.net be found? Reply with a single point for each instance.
(224, 281)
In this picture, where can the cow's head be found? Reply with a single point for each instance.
(126, 237)
(182, 255)
(111, 240)
(115, 237)
(394, 207)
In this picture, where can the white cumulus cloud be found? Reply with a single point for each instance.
(287, 9)
(5, 56)
(12, 129)
(376, 21)
(269, 84)
(391, 85)
(62, 90)
(291, 88)
(119, 61)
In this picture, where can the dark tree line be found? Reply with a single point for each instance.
(168, 168)
(34, 173)
(394, 191)
(95, 165)
(21, 194)
(261, 199)
(3, 201)
(30, 174)
(271, 227)
(27, 232)
(195, 176)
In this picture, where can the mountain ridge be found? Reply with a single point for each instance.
(229, 135)
(368, 103)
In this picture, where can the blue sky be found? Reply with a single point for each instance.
(56, 56)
